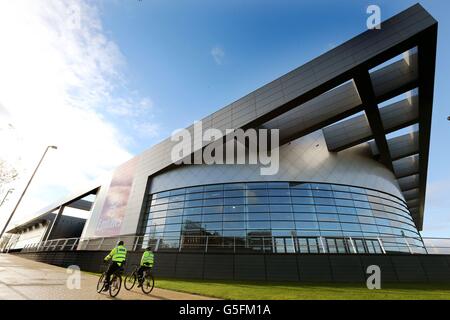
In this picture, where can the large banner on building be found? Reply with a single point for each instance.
(113, 211)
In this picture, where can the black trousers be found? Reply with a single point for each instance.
(113, 267)
(141, 270)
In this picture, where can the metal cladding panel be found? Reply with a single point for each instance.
(314, 268)
(347, 268)
(282, 268)
(305, 159)
(404, 145)
(388, 272)
(165, 264)
(313, 79)
(218, 266)
(409, 269)
(400, 114)
(406, 166)
(249, 267)
(437, 268)
(397, 75)
(189, 266)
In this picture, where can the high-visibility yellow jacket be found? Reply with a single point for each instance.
(118, 254)
(147, 259)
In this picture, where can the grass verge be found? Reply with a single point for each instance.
(247, 290)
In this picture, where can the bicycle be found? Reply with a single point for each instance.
(147, 282)
(115, 281)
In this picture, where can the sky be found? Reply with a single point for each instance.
(105, 80)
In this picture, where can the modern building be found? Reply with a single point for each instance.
(354, 127)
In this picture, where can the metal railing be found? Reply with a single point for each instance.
(262, 244)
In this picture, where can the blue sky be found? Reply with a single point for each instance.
(168, 50)
(137, 70)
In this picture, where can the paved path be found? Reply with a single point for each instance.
(30, 280)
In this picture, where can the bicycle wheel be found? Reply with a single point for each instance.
(101, 283)
(130, 281)
(148, 284)
(114, 286)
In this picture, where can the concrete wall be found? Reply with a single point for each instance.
(270, 267)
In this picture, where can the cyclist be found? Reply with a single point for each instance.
(146, 264)
(118, 256)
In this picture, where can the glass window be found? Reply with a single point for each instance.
(336, 187)
(369, 228)
(322, 193)
(305, 216)
(213, 187)
(342, 195)
(192, 211)
(193, 203)
(257, 193)
(369, 220)
(329, 226)
(212, 217)
(234, 225)
(209, 210)
(175, 212)
(257, 216)
(327, 217)
(304, 208)
(258, 225)
(172, 228)
(350, 227)
(234, 201)
(324, 201)
(197, 218)
(302, 200)
(170, 220)
(280, 208)
(362, 204)
(234, 193)
(281, 216)
(213, 194)
(176, 198)
(234, 186)
(257, 208)
(299, 185)
(234, 217)
(256, 185)
(194, 196)
(279, 193)
(212, 226)
(176, 205)
(363, 212)
(348, 218)
(283, 225)
(301, 193)
(278, 185)
(279, 200)
(320, 186)
(258, 200)
(326, 209)
(343, 202)
(233, 209)
(306, 225)
(213, 202)
(346, 210)
(194, 189)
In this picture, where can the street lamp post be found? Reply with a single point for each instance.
(25, 190)
(6, 195)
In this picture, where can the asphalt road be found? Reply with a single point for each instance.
(22, 279)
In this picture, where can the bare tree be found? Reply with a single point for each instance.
(7, 174)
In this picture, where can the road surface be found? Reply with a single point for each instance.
(22, 279)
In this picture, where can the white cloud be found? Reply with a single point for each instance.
(59, 74)
(218, 54)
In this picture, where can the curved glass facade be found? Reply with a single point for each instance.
(281, 217)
